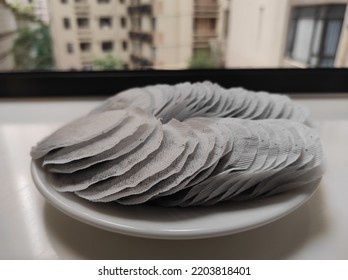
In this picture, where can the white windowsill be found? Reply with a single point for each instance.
(317, 230)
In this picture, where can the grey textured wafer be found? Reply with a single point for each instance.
(78, 131)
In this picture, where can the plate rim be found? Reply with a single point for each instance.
(61, 203)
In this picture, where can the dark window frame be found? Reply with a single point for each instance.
(103, 2)
(124, 45)
(123, 22)
(105, 19)
(83, 22)
(70, 48)
(321, 12)
(66, 23)
(107, 46)
(85, 46)
(102, 84)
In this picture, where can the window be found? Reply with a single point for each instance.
(82, 22)
(314, 34)
(153, 24)
(70, 48)
(87, 67)
(154, 53)
(137, 48)
(136, 23)
(105, 22)
(205, 26)
(123, 22)
(237, 34)
(124, 45)
(107, 46)
(66, 23)
(85, 47)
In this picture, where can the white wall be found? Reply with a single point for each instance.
(257, 32)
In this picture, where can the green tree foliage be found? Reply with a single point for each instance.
(203, 59)
(108, 62)
(33, 49)
(22, 10)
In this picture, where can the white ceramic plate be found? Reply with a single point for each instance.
(173, 223)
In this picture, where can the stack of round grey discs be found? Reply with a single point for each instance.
(184, 145)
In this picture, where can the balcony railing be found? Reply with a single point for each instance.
(87, 57)
(206, 9)
(82, 8)
(203, 40)
(141, 61)
(140, 9)
(84, 33)
(141, 36)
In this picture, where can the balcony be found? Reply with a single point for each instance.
(84, 33)
(206, 9)
(140, 61)
(142, 9)
(203, 40)
(81, 9)
(141, 36)
(87, 57)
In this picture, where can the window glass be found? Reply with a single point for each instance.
(105, 22)
(85, 46)
(314, 35)
(172, 34)
(303, 37)
(333, 33)
(107, 46)
(82, 22)
(66, 22)
(69, 47)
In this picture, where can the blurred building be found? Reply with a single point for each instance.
(288, 33)
(166, 34)
(8, 29)
(83, 31)
(142, 34)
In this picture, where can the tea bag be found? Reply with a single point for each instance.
(79, 131)
(125, 146)
(173, 145)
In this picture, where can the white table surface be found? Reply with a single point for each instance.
(30, 228)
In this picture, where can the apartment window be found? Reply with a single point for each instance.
(136, 23)
(314, 34)
(153, 24)
(66, 23)
(107, 46)
(82, 22)
(87, 67)
(105, 22)
(103, 1)
(124, 45)
(70, 48)
(212, 24)
(63, 1)
(137, 48)
(153, 53)
(205, 26)
(85, 47)
(123, 22)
